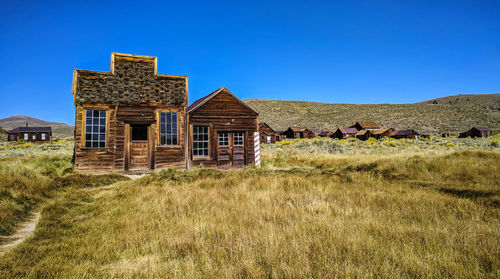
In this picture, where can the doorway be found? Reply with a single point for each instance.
(231, 149)
(139, 147)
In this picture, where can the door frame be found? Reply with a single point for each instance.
(231, 145)
(128, 144)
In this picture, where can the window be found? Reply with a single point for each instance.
(139, 132)
(168, 128)
(224, 139)
(11, 137)
(200, 141)
(43, 136)
(34, 137)
(26, 136)
(95, 128)
(238, 138)
(268, 139)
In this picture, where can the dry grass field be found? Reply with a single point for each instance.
(316, 209)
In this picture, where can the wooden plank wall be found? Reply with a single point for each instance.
(115, 156)
(223, 113)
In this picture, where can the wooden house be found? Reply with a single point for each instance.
(446, 135)
(364, 134)
(345, 133)
(365, 125)
(405, 134)
(321, 133)
(30, 134)
(382, 133)
(223, 131)
(476, 132)
(296, 132)
(280, 135)
(266, 133)
(130, 118)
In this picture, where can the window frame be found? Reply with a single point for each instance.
(84, 127)
(219, 138)
(26, 136)
(195, 157)
(159, 127)
(43, 136)
(242, 139)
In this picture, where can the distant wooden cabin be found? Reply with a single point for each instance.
(405, 134)
(365, 125)
(296, 132)
(30, 134)
(222, 131)
(266, 133)
(321, 133)
(280, 135)
(130, 118)
(445, 135)
(364, 134)
(476, 132)
(345, 133)
(382, 133)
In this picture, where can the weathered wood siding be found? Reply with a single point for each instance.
(132, 93)
(115, 156)
(223, 113)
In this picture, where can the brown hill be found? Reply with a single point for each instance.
(463, 112)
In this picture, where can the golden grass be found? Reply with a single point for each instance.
(401, 215)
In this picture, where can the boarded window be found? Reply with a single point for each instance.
(200, 141)
(223, 139)
(95, 128)
(168, 128)
(238, 138)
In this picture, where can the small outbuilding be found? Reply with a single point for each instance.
(405, 134)
(296, 132)
(382, 133)
(476, 132)
(223, 131)
(345, 133)
(321, 133)
(365, 125)
(30, 134)
(364, 134)
(266, 133)
(280, 135)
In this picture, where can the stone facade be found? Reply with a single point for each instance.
(132, 80)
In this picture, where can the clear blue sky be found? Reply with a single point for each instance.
(326, 51)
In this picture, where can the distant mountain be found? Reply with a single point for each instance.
(450, 114)
(59, 129)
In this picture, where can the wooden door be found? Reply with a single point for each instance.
(231, 149)
(139, 147)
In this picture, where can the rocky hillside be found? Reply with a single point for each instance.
(448, 114)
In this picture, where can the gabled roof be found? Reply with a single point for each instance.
(367, 124)
(262, 124)
(31, 130)
(481, 128)
(200, 102)
(403, 132)
(348, 130)
(362, 132)
(298, 128)
(381, 131)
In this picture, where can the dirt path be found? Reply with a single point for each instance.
(24, 231)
